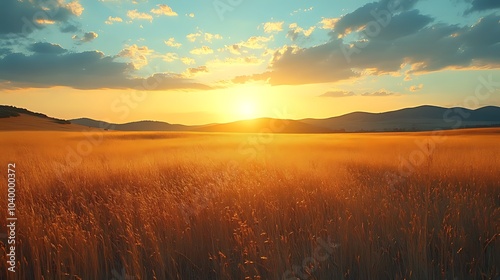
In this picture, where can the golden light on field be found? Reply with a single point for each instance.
(381, 211)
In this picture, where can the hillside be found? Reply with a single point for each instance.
(265, 125)
(420, 118)
(13, 118)
(133, 126)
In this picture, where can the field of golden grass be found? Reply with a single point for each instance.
(112, 205)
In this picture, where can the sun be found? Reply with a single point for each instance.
(247, 109)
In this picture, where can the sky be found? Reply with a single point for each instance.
(224, 60)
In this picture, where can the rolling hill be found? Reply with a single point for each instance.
(132, 126)
(265, 125)
(17, 119)
(420, 118)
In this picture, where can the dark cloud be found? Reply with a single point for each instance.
(338, 94)
(4, 51)
(485, 32)
(46, 48)
(24, 17)
(86, 37)
(69, 28)
(483, 5)
(319, 64)
(87, 70)
(372, 11)
(403, 24)
(422, 50)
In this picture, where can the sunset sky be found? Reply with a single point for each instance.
(197, 62)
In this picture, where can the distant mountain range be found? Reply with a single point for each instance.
(422, 118)
(132, 126)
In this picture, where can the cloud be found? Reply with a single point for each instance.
(271, 27)
(329, 23)
(87, 37)
(137, 55)
(79, 70)
(233, 49)
(252, 43)
(416, 87)
(172, 43)
(75, 7)
(112, 20)
(191, 15)
(169, 57)
(190, 72)
(188, 60)
(431, 48)
(256, 42)
(164, 10)
(295, 31)
(192, 37)
(46, 48)
(379, 94)
(338, 94)
(483, 5)
(134, 14)
(202, 50)
(85, 70)
(69, 28)
(294, 66)
(365, 14)
(403, 24)
(209, 37)
(24, 17)
(5, 51)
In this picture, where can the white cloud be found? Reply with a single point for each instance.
(202, 50)
(256, 42)
(270, 27)
(75, 7)
(329, 23)
(112, 20)
(137, 55)
(164, 10)
(188, 60)
(172, 43)
(134, 14)
(193, 36)
(209, 37)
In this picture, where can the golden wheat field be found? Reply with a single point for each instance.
(114, 205)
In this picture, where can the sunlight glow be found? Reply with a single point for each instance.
(247, 109)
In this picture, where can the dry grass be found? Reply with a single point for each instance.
(236, 206)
